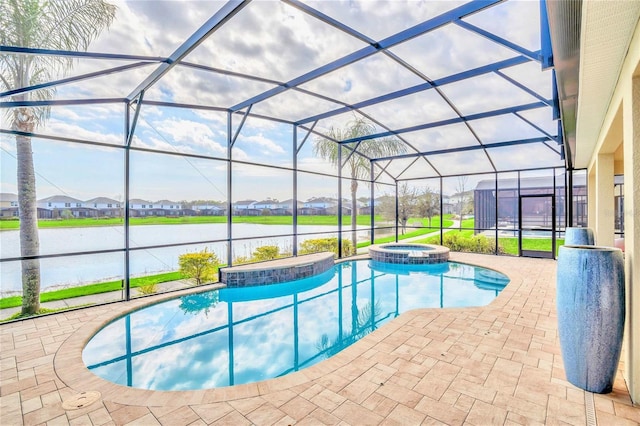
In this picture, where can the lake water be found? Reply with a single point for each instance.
(76, 270)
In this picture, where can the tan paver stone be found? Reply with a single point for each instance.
(486, 414)
(441, 411)
(182, 416)
(359, 389)
(500, 381)
(279, 398)
(473, 390)
(129, 413)
(566, 411)
(212, 412)
(379, 404)
(404, 415)
(247, 405)
(627, 412)
(146, 420)
(233, 419)
(521, 407)
(464, 403)
(59, 421)
(80, 421)
(31, 405)
(417, 369)
(43, 415)
(517, 419)
(51, 398)
(100, 416)
(355, 414)
(17, 386)
(38, 390)
(298, 408)
(265, 414)
(430, 421)
(198, 422)
(606, 419)
(328, 400)
(399, 394)
(319, 417)
(433, 387)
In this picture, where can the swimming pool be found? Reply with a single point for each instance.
(233, 336)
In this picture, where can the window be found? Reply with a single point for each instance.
(109, 205)
(78, 205)
(67, 204)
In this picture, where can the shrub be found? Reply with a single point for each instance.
(473, 244)
(146, 289)
(266, 253)
(199, 266)
(326, 244)
(241, 260)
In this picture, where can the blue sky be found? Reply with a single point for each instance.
(276, 41)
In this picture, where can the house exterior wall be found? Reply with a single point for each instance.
(625, 99)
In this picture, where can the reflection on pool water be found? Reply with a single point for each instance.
(234, 336)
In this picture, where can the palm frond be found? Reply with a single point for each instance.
(57, 25)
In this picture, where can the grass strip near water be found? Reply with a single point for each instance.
(362, 220)
(86, 290)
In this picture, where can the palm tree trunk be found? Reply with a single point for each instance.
(29, 241)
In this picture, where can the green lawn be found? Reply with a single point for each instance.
(543, 244)
(157, 220)
(86, 290)
(362, 220)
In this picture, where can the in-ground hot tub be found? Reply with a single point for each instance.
(409, 253)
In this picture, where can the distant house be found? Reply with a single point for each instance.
(318, 206)
(245, 208)
(265, 204)
(448, 206)
(210, 209)
(142, 208)
(168, 205)
(365, 205)
(106, 207)
(58, 205)
(8, 204)
(285, 208)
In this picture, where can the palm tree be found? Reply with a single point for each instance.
(56, 25)
(359, 166)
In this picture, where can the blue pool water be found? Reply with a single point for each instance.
(233, 336)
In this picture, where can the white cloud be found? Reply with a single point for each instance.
(267, 146)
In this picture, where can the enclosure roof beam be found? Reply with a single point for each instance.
(76, 54)
(402, 36)
(486, 69)
(466, 148)
(226, 12)
(61, 102)
(499, 40)
(455, 120)
(74, 79)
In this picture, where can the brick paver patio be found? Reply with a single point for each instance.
(498, 364)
